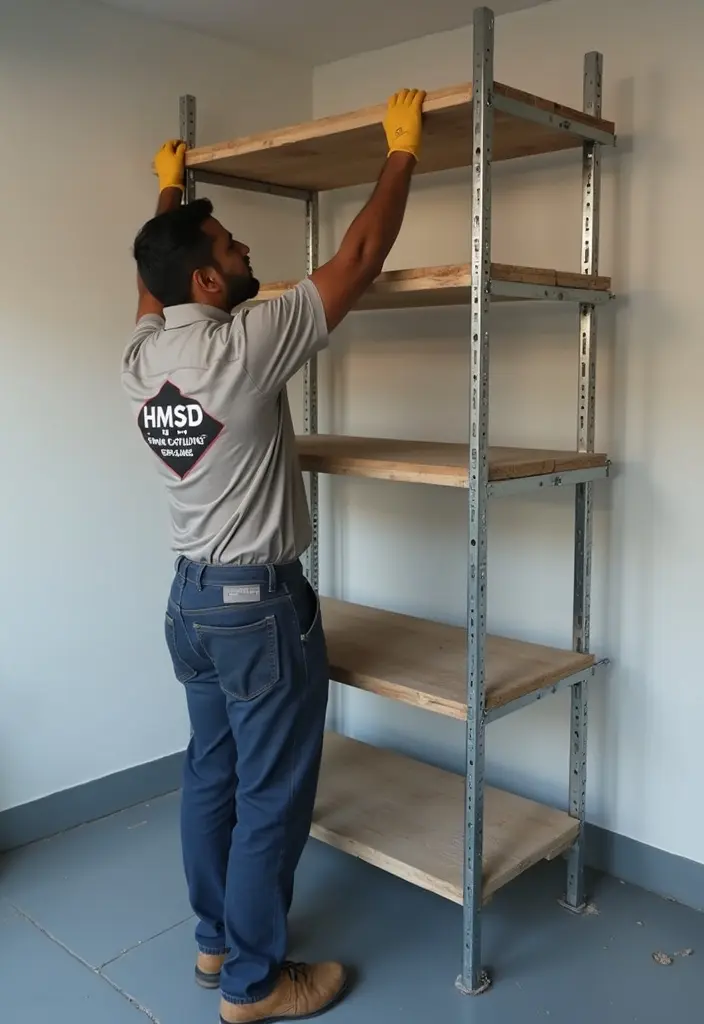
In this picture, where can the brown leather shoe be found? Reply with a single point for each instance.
(208, 967)
(302, 991)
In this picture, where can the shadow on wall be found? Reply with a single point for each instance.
(640, 329)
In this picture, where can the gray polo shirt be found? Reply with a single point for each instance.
(208, 392)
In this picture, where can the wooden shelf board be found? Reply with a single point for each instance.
(349, 149)
(430, 462)
(423, 663)
(448, 285)
(407, 818)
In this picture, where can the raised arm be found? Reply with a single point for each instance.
(369, 239)
(169, 165)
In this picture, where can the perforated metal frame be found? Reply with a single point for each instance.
(591, 208)
(310, 394)
(187, 132)
(474, 978)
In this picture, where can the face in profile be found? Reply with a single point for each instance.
(232, 265)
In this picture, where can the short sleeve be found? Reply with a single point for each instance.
(281, 335)
(145, 327)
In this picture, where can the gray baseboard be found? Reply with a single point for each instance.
(96, 799)
(675, 878)
(645, 866)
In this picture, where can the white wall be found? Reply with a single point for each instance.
(405, 374)
(88, 94)
(85, 684)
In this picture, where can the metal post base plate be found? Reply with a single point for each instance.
(573, 910)
(484, 985)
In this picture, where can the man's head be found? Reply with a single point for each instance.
(188, 256)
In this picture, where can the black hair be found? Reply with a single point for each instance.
(170, 248)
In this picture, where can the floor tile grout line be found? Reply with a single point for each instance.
(84, 963)
(142, 942)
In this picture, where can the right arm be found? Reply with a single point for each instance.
(281, 335)
(343, 280)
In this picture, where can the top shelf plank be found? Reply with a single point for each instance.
(349, 149)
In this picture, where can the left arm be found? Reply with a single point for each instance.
(170, 166)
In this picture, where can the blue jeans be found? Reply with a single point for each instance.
(248, 645)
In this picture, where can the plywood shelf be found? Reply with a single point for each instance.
(423, 663)
(349, 149)
(450, 286)
(431, 462)
(407, 818)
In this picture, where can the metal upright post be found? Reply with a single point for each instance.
(591, 197)
(474, 979)
(310, 394)
(187, 132)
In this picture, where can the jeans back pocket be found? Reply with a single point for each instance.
(246, 658)
(183, 672)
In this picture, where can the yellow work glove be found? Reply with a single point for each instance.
(403, 121)
(169, 165)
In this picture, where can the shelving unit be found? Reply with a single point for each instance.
(449, 833)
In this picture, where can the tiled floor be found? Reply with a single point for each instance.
(95, 929)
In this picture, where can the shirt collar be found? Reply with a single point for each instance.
(191, 313)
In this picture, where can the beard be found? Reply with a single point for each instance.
(241, 288)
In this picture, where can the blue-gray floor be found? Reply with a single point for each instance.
(95, 929)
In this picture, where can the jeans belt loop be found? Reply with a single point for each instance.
(199, 576)
(272, 578)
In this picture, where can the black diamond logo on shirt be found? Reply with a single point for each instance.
(177, 429)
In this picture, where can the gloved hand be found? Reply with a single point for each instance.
(403, 121)
(169, 165)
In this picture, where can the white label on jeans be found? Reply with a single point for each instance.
(242, 594)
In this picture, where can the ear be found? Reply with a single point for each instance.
(208, 280)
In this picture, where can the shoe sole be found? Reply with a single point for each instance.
(209, 981)
(307, 1016)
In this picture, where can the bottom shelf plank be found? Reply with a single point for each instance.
(407, 818)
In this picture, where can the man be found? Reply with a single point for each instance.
(243, 626)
